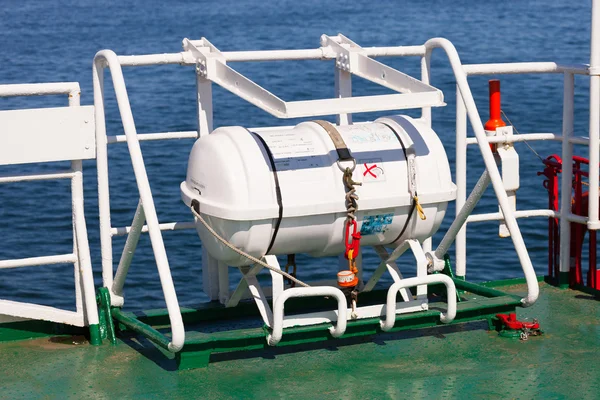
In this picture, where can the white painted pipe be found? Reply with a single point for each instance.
(167, 226)
(490, 164)
(39, 89)
(180, 135)
(567, 172)
(594, 158)
(524, 68)
(576, 218)
(594, 151)
(463, 214)
(266, 55)
(524, 137)
(37, 177)
(390, 308)
(81, 244)
(426, 78)
(152, 59)
(102, 173)
(155, 136)
(518, 214)
(314, 291)
(109, 58)
(579, 140)
(460, 248)
(35, 261)
(127, 256)
(83, 247)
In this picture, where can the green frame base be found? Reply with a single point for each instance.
(198, 349)
(561, 282)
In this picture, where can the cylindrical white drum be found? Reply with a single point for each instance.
(281, 191)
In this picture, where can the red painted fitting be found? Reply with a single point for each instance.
(510, 322)
(495, 120)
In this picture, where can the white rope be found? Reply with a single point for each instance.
(244, 254)
(524, 141)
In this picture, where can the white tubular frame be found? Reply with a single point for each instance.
(211, 67)
(85, 296)
(390, 310)
(490, 165)
(315, 291)
(107, 58)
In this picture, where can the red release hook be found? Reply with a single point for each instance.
(353, 245)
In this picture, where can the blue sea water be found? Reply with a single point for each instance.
(43, 41)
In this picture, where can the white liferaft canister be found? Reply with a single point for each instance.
(300, 207)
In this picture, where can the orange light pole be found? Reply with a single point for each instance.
(495, 120)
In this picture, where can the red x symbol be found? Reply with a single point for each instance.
(368, 170)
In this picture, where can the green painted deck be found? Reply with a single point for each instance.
(456, 361)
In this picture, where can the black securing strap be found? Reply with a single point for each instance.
(277, 189)
(414, 204)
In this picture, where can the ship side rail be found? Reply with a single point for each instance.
(566, 137)
(48, 135)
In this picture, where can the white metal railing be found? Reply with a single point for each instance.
(107, 58)
(567, 139)
(86, 312)
(146, 219)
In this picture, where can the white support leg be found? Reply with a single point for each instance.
(223, 274)
(277, 279)
(210, 275)
(240, 290)
(205, 105)
(422, 262)
(388, 263)
(260, 299)
(460, 246)
(343, 88)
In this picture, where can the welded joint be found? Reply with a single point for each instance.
(434, 264)
(205, 54)
(343, 49)
(593, 71)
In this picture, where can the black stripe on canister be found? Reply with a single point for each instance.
(277, 188)
(413, 205)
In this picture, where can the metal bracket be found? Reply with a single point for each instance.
(350, 57)
(509, 160)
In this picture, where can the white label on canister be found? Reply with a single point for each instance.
(296, 151)
(292, 150)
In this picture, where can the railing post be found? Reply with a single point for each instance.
(102, 172)
(594, 134)
(490, 164)
(426, 119)
(205, 104)
(343, 88)
(109, 58)
(461, 184)
(567, 176)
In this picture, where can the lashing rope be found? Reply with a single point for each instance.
(241, 252)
